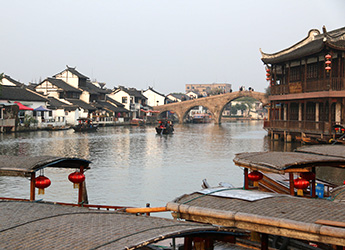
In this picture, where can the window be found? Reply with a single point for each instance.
(312, 71)
(295, 74)
(124, 99)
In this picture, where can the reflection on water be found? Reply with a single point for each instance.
(133, 165)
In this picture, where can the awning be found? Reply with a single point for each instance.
(41, 108)
(23, 107)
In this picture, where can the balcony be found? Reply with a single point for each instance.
(335, 84)
(299, 126)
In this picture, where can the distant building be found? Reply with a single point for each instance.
(207, 89)
(176, 97)
(154, 98)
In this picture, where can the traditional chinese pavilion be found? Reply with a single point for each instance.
(307, 86)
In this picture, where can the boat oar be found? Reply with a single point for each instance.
(134, 210)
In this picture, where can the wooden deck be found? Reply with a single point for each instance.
(313, 220)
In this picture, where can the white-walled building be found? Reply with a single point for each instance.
(154, 98)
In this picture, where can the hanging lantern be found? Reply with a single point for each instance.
(268, 70)
(300, 184)
(42, 182)
(336, 129)
(343, 130)
(76, 178)
(328, 62)
(255, 176)
(308, 176)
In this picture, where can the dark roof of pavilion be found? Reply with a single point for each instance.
(25, 165)
(62, 84)
(314, 43)
(14, 93)
(81, 104)
(33, 225)
(281, 162)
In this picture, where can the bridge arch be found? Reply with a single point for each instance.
(215, 104)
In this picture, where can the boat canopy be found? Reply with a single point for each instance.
(25, 165)
(41, 108)
(286, 162)
(23, 107)
(329, 150)
(100, 229)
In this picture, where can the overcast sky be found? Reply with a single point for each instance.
(161, 43)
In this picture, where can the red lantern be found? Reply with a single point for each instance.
(308, 176)
(343, 130)
(42, 182)
(267, 79)
(255, 176)
(328, 56)
(328, 68)
(336, 129)
(328, 62)
(300, 184)
(268, 70)
(76, 178)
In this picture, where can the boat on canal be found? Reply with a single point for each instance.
(294, 173)
(58, 224)
(85, 125)
(165, 127)
(201, 118)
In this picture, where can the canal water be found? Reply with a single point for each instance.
(132, 166)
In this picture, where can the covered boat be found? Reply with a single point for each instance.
(165, 127)
(85, 125)
(290, 172)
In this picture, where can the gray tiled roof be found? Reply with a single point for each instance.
(57, 104)
(12, 80)
(109, 106)
(74, 72)
(62, 84)
(82, 104)
(118, 104)
(14, 93)
(92, 89)
(334, 39)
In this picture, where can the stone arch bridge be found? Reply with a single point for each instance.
(215, 104)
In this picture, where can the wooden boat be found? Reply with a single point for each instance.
(165, 127)
(137, 122)
(311, 140)
(201, 118)
(85, 125)
(274, 220)
(56, 128)
(279, 171)
(65, 220)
